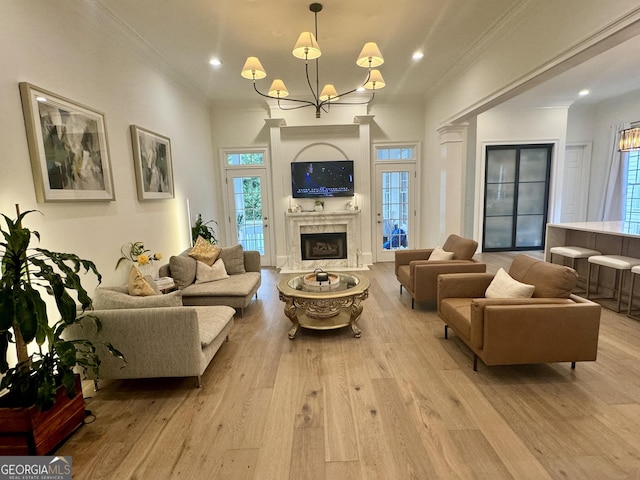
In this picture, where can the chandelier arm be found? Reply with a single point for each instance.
(315, 94)
(364, 102)
(307, 103)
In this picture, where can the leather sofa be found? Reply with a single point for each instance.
(418, 275)
(551, 326)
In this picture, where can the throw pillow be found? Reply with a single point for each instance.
(183, 270)
(233, 259)
(206, 273)
(205, 252)
(438, 254)
(503, 286)
(107, 299)
(137, 285)
(152, 284)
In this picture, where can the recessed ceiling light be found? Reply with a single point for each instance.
(41, 99)
(417, 55)
(360, 89)
(216, 62)
(584, 92)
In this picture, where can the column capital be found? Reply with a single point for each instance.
(452, 133)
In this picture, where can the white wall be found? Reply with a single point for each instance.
(237, 127)
(595, 123)
(505, 127)
(512, 54)
(68, 48)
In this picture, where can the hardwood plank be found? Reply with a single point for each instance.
(399, 402)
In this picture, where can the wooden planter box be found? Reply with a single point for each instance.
(28, 431)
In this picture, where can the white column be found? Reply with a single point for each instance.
(453, 142)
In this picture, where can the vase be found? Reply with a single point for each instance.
(319, 208)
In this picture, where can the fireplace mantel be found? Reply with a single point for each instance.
(328, 221)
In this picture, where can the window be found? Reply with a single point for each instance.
(245, 158)
(395, 153)
(632, 200)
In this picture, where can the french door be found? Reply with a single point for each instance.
(394, 208)
(248, 219)
(516, 197)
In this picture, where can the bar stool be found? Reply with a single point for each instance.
(619, 263)
(574, 253)
(634, 271)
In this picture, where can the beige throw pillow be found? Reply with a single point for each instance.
(233, 259)
(205, 252)
(503, 286)
(438, 254)
(206, 273)
(137, 285)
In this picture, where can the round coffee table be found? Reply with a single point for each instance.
(335, 303)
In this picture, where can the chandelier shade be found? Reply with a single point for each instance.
(329, 93)
(375, 82)
(630, 139)
(253, 69)
(370, 56)
(278, 89)
(306, 48)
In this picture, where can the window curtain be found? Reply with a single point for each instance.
(613, 207)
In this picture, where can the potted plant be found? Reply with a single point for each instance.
(202, 229)
(319, 205)
(42, 383)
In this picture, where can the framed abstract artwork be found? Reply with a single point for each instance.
(67, 146)
(153, 164)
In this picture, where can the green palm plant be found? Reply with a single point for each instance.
(45, 360)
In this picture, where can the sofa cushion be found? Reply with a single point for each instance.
(111, 299)
(550, 280)
(462, 248)
(439, 254)
(138, 285)
(239, 285)
(206, 273)
(503, 286)
(457, 312)
(233, 258)
(205, 252)
(183, 270)
(211, 321)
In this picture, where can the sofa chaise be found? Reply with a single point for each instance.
(237, 291)
(157, 335)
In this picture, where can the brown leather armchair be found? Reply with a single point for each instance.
(418, 275)
(551, 326)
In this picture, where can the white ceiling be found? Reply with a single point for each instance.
(183, 36)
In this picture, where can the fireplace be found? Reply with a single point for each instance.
(323, 246)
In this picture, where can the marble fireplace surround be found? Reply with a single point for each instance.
(323, 222)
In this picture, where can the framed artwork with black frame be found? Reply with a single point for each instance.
(153, 164)
(68, 147)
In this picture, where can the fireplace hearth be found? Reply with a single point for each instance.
(323, 246)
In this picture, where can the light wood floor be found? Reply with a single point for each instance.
(399, 403)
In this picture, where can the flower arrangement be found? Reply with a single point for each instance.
(137, 253)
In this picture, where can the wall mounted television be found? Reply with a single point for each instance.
(322, 179)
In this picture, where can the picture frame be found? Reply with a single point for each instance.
(153, 164)
(68, 147)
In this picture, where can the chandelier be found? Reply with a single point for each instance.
(630, 139)
(307, 48)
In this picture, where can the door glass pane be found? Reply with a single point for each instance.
(533, 165)
(531, 198)
(529, 231)
(247, 194)
(395, 210)
(499, 199)
(501, 166)
(251, 158)
(498, 232)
